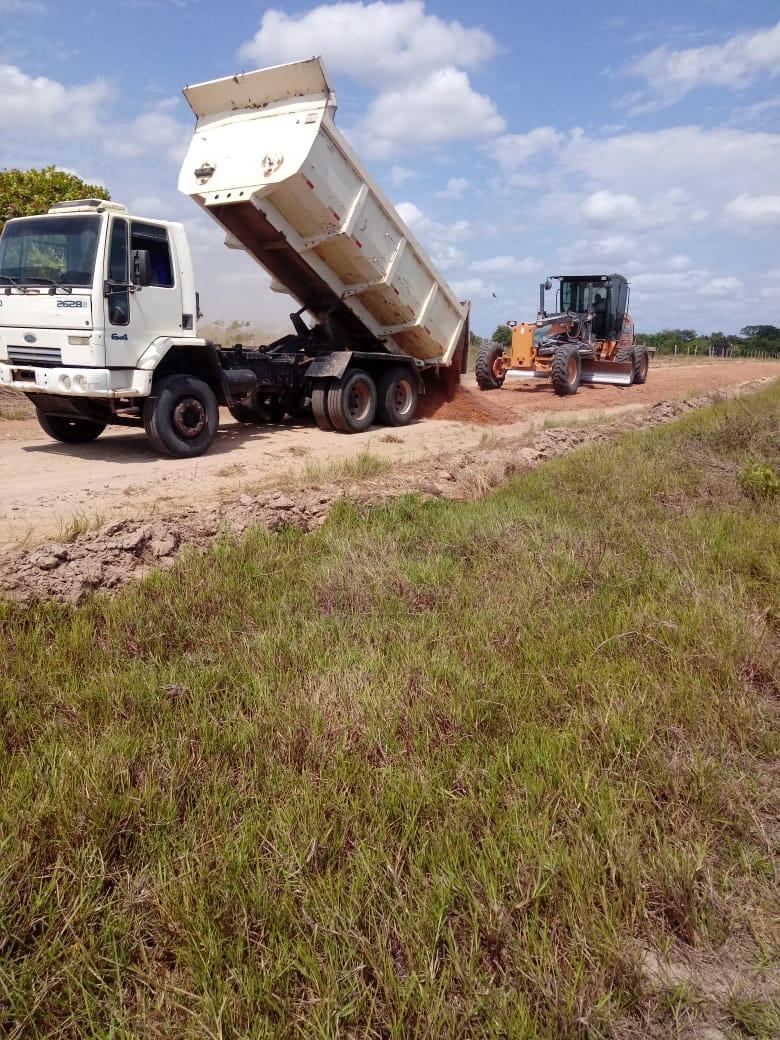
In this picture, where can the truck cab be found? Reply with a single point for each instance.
(87, 294)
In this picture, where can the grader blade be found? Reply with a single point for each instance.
(615, 373)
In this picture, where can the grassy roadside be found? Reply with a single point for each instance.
(437, 770)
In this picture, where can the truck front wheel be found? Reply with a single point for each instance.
(181, 417)
(69, 431)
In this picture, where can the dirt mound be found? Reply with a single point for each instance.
(127, 549)
(464, 405)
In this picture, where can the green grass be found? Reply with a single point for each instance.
(357, 467)
(435, 770)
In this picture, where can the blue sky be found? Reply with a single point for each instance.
(518, 139)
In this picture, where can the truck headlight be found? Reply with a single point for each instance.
(65, 382)
(80, 382)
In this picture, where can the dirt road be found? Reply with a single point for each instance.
(47, 488)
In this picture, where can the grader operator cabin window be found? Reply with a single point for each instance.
(154, 240)
(56, 251)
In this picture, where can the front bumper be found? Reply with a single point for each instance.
(77, 382)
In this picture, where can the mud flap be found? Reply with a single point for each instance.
(614, 373)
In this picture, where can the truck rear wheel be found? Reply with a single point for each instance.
(641, 363)
(396, 397)
(352, 401)
(319, 404)
(69, 431)
(566, 369)
(488, 370)
(181, 417)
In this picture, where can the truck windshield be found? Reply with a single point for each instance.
(45, 249)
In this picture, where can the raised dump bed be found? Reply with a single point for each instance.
(267, 162)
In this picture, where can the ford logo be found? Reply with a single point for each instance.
(29, 338)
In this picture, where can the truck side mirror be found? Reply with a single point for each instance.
(141, 266)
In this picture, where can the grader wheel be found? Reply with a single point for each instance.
(489, 369)
(566, 370)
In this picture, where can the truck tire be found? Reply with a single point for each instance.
(181, 417)
(397, 395)
(319, 404)
(69, 431)
(489, 376)
(641, 363)
(259, 409)
(566, 369)
(352, 401)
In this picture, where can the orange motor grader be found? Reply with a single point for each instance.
(588, 338)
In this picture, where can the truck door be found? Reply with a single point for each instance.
(135, 319)
(121, 351)
(157, 306)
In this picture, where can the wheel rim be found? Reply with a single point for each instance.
(643, 367)
(189, 418)
(404, 397)
(571, 368)
(358, 401)
(497, 368)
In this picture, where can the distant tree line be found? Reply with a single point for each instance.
(752, 341)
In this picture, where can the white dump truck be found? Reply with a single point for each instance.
(98, 308)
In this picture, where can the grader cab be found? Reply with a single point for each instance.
(587, 338)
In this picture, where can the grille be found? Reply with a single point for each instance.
(42, 357)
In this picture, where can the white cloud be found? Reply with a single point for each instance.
(432, 231)
(617, 250)
(37, 109)
(442, 107)
(720, 287)
(154, 132)
(754, 210)
(507, 264)
(736, 63)
(693, 158)
(670, 207)
(515, 150)
(448, 258)
(472, 289)
(691, 283)
(43, 108)
(679, 262)
(399, 175)
(455, 189)
(415, 61)
(372, 42)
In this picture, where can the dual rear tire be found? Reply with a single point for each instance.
(353, 402)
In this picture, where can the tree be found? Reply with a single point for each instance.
(503, 334)
(24, 193)
(760, 332)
